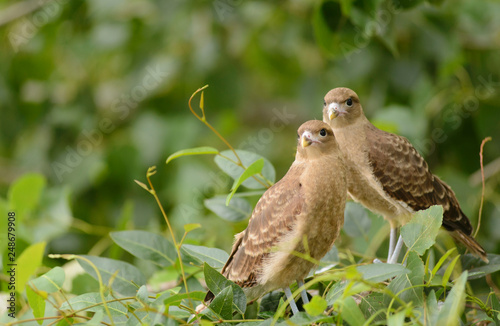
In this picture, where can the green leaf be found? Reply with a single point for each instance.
(222, 303)
(495, 306)
(37, 304)
(200, 254)
(92, 302)
(373, 307)
(177, 298)
(126, 279)
(25, 193)
(237, 210)
(356, 220)
(303, 319)
(216, 282)
(454, 304)
(397, 319)
(143, 294)
(431, 309)
(409, 286)
(30, 260)
(381, 272)
(449, 270)
(247, 158)
(442, 260)
(336, 292)
(316, 306)
(50, 282)
(420, 233)
(351, 312)
(254, 168)
(191, 226)
(193, 151)
(146, 245)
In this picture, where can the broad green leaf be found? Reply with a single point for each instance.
(420, 233)
(37, 304)
(50, 282)
(25, 193)
(336, 292)
(454, 304)
(357, 223)
(373, 307)
(254, 168)
(126, 279)
(431, 309)
(96, 319)
(146, 245)
(270, 302)
(237, 210)
(92, 302)
(216, 282)
(381, 272)
(193, 151)
(397, 319)
(30, 259)
(351, 312)
(316, 306)
(234, 171)
(143, 294)
(409, 286)
(200, 254)
(222, 303)
(483, 271)
(177, 298)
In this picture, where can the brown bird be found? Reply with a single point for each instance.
(298, 214)
(387, 175)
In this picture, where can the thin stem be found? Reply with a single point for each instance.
(487, 139)
(203, 119)
(152, 171)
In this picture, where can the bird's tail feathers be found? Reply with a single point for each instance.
(470, 243)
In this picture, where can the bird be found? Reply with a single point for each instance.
(387, 175)
(299, 216)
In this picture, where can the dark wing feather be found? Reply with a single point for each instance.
(405, 176)
(274, 216)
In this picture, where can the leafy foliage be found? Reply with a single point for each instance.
(92, 92)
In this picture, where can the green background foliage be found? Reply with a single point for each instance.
(94, 92)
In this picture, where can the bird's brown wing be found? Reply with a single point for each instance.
(274, 216)
(405, 176)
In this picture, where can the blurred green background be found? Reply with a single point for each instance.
(94, 92)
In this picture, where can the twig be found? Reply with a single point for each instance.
(482, 179)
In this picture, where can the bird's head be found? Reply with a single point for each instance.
(341, 106)
(315, 138)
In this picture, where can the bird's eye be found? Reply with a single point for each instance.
(324, 103)
(298, 136)
(349, 102)
(322, 132)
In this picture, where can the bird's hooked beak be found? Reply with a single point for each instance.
(308, 139)
(333, 110)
